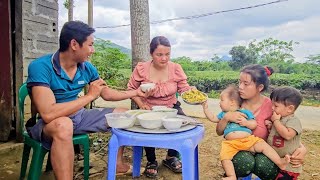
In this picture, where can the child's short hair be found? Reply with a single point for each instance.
(233, 93)
(287, 96)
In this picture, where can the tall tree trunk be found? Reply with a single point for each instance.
(140, 33)
(70, 10)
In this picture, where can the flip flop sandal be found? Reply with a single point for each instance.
(151, 166)
(172, 164)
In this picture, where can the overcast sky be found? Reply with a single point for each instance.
(201, 38)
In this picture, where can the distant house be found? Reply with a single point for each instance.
(29, 29)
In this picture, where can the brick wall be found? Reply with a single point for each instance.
(39, 30)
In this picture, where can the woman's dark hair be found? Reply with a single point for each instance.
(259, 74)
(287, 96)
(233, 93)
(74, 30)
(158, 40)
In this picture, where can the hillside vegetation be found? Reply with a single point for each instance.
(215, 74)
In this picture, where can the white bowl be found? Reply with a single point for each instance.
(152, 120)
(120, 120)
(158, 107)
(147, 86)
(134, 113)
(169, 112)
(172, 124)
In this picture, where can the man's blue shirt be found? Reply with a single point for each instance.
(46, 71)
(231, 126)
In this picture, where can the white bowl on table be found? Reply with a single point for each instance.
(158, 107)
(135, 112)
(169, 112)
(152, 120)
(147, 86)
(172, 124)
(120, 120)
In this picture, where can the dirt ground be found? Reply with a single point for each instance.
(210, 167)
(209, 148)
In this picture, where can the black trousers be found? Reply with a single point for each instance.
(150, 151)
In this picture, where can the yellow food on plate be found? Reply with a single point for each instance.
(194, 96)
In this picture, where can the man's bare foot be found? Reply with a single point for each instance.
(285, 161)
(122, 167)
(230, 178)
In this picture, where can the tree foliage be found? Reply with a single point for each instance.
(272, 50)
(314, 59)
(241, 56)
(108, 61)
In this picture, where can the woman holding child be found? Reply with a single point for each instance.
(252, 82)
(169, 78)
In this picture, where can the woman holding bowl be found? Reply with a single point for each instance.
(168, 78)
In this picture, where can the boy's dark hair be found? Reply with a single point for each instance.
(259, 74)
(287, 96)
(158, 40)
(233, 93)
(74, 30)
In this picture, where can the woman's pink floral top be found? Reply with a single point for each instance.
(165, 92)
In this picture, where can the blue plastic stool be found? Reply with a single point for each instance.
(186, 143)
(248, 178)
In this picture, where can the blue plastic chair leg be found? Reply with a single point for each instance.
(196, 163)
(187, 155)
(112, 156)
(137, 154)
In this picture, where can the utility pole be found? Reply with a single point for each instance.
(90, 23)
(140, 33)
(90, 13)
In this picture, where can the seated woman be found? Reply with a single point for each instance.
(253, 81)
(169, 78)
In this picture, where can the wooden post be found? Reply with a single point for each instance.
(90, 23)
(6, 81)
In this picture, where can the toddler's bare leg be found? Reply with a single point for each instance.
(266, 149)
(229, 169)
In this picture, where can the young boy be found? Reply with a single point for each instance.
(238, 134)
(286, 130)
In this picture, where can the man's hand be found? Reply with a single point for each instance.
(275, 116)
(145, 107)
(96, 87)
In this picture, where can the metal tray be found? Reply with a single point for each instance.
(162, 130)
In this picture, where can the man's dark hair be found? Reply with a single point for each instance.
(287, 96)
(74, 30)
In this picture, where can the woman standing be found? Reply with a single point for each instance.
(254, 79)
(168, 78)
